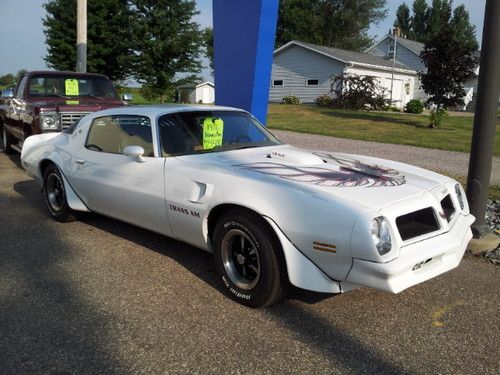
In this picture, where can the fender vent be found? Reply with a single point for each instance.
(417, 223)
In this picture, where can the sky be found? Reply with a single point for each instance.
(22, 45)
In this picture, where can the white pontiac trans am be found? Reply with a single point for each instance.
(272, 214)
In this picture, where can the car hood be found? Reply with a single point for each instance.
(370, 182)
(77, 105)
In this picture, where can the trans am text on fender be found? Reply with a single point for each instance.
(272, 214)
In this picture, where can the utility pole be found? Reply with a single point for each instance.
(81, 36)
(485, 117)
(395, 33)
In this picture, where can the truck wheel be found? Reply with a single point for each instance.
(55, 195)
(249, 260)
(6, 141)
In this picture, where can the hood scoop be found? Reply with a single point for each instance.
(295, 157)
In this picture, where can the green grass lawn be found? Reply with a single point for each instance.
(454, 134)
(136, 93)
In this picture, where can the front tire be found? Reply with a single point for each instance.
(6, 141)
(54, 195)
(249, 259)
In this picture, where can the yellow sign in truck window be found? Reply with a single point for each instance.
(71, 87)
(213, 131)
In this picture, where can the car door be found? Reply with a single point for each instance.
(124, 187)
(16, 109)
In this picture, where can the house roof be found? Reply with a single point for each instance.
(412, 45)
(349, 57)
(196, 85)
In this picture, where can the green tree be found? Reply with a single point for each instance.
(333, 23)
(297, 20)
(208, 41)
(439, 15)
(450, 62)
(403, 20)
(7, 80)
(462, 28)
(166, 45)
(419, 20)
(107, 36)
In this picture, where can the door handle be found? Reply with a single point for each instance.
(79, 161)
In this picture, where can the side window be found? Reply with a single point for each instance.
(113, 133)
(21, 87)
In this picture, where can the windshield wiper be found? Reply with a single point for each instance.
(59, 95)
(93, 96)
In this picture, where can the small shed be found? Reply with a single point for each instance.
(203, 93)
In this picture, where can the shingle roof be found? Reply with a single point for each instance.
(349, 56)
(412, 45)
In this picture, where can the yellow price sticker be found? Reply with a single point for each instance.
(72, 102)
(213, 132)
(71, 87)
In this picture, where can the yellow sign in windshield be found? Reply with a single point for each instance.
(71, 87)
(213, 131)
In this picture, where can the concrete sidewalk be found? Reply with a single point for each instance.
(453, 162)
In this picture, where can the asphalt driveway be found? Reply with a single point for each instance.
(101, 296)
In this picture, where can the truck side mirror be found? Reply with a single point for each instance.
(127, 97)
(7, 94)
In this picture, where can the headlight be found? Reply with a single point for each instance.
(460, 196)
(381, 235)
(49, 121)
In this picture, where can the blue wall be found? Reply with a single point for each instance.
(244, 33)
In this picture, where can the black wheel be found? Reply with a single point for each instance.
(249, 259)
(6, 141)
(55, 195)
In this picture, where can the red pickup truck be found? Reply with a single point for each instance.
(50, 101)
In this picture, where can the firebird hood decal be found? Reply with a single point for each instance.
(349, 173)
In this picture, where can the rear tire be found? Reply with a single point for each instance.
(54, 195)
(6, 141)
(249, 259)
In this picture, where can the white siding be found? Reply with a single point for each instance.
(205, 94)
(294, 66)
(400, 94)
(405, 56)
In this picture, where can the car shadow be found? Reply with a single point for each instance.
(337, 345)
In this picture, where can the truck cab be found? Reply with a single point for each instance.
(51, 101)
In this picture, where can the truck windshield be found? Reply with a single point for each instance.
(72, 87)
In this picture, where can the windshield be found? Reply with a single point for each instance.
(72, 87)
(197, 132)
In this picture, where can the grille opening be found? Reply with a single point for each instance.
(448, 208)
(417, 223)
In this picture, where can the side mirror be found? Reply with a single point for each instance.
(127, 97)
(7, 94)
(135, 152)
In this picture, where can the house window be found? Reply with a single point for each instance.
(312, 82)
(390, 50)
(278, 82)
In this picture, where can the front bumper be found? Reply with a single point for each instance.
(417, 262)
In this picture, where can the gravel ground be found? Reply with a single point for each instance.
(438, 160)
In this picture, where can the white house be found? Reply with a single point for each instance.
(203, 92)
(408, 53)
(305, 70)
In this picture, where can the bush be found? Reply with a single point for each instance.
(414, 106)
(290, 99)
(357, 92)
(436, 117)
(391, 108)
(324, 101)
